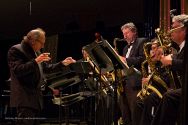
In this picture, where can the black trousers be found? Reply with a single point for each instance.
(27, 116)
(137, 112)
(104, 110)
(169, 108)
(127, 101)
(145, 109)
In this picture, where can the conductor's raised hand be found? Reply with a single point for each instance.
(44, 57)
(68, 61)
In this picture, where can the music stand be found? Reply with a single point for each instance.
(99, 57)
(106, 60)
(65, 82)
(61, 82)
(81, 67)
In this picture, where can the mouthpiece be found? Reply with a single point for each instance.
(118, 39)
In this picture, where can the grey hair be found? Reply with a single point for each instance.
(180, 18)
(129, 25)
(33, 35)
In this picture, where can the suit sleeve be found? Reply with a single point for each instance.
(19, 64)
(177, 64)
(177, 61)
(53, 67)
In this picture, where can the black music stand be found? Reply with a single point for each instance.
(81, 67)
(106, 59)
(63, 81)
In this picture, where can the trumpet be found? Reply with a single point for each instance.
(164, 38)
(165, 42)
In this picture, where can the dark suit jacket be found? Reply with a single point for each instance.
(25, 77)
(177, 68)
(177, 61)
(135, 59)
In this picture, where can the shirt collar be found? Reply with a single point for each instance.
(181, 45)
(130, 44)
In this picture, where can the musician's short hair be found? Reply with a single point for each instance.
(129, 25)
(33, 35)
(180, 18)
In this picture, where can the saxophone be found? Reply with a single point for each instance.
(119, 72)
(154, 75)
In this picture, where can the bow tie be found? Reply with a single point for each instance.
(129, 45)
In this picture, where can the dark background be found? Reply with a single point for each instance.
(17, 17)
(75, 22)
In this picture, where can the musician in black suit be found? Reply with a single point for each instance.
(154, 75)
(132, 55)
(26, 66)
(168, 112)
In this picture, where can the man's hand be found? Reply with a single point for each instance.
(68, 61)
(55, 92)
(44, 57)
(145, 81)
(123, 59)
(166, 60)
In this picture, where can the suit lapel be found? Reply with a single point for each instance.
(125, 50)
(133, 48)
(181, 54)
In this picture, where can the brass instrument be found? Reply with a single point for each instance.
(105, 83)
(165, 43)
(113, 73)
(119, 73)
(143, 91)
(115, 43)
(165, 40)
(154, 75)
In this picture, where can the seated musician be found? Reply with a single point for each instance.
(169, 109)
(155, 83)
